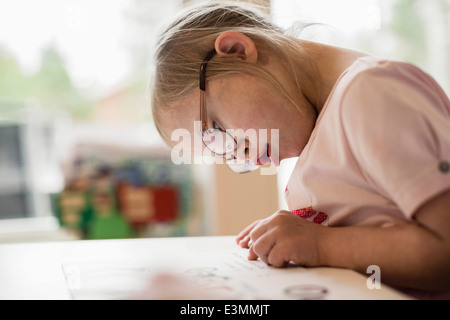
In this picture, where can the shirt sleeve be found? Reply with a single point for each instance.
(397, 122)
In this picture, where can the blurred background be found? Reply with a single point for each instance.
(79, 155)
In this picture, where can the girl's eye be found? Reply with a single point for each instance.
(216, 126)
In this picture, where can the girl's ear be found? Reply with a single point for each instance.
(236, 44)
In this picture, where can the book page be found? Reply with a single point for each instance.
(224, 273)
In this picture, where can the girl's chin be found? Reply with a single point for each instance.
(276, 162)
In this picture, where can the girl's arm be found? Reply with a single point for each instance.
(412, 255)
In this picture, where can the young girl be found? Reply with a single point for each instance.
(372, 137)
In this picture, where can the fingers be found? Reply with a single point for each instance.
(259, 250)
(267, 249)
(262, 243)
(261, 246)
(276, 257)
(251, 254)
(270, 242)
(243, 237)
(245, 242)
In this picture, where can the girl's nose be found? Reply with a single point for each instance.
(242, 151)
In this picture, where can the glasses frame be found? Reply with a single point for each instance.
(202, 85)
(239, 168)
(203, 109)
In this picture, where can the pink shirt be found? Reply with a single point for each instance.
(379, 150)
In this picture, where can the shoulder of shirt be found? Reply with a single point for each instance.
(375, 77)
(369, 79)
(366, 68)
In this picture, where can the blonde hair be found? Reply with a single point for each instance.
(185, 43)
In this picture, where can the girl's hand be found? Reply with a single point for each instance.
(243, 238)
(283, 238)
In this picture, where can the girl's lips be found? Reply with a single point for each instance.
(261, 163)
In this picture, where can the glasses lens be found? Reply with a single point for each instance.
(219, 142)
(222, 143)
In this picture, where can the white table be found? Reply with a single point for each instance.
(91, 269)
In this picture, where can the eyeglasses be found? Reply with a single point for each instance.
(217, 140)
